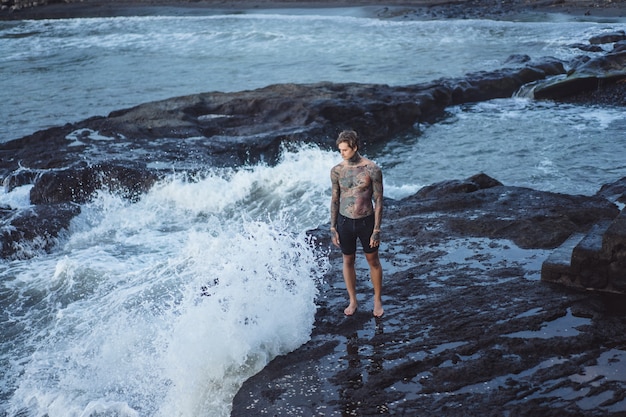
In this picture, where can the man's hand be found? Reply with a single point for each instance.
(334, 236)
(375, 239)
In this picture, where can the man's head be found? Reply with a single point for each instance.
(348, 144)
(350, 138)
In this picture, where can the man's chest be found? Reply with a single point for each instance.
(355, 178)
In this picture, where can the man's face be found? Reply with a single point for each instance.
(346, 151)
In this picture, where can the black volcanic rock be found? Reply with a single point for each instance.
(480, 206)
(611, 37)
(468, 328)
(78, 185)
(603, 72)
(230, 129)
(35, 230)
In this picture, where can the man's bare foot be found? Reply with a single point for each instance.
(378, 311)
(350, 310)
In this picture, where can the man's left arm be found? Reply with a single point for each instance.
(377, 196)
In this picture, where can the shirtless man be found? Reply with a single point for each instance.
(356, 210)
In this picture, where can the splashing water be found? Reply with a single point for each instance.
(164, 307)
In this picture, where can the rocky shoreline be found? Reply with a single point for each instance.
(417, 9)
(470, 329)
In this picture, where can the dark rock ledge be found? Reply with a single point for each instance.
(469, 329)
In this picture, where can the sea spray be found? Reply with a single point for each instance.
(253, 306)
(163, 307)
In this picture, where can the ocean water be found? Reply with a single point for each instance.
(165, 306)
(55, 71)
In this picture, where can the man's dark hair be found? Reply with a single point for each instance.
(350, 137)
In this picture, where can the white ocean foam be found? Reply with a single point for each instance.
(17, 198)
(164, 307)
(601, 117)
(78, 135)
(398, 192)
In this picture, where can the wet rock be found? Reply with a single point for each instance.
(451, 187)
(483, 86)
(596, 73)
(468, 326)
(593, 80)
(481, 206)
(36, 230)
(78, 185)
(610, 37)
(615, 191)
(517, 59)
(55, 196)
(588, 48)
(19, 178)
(619, 46)
(592, 261)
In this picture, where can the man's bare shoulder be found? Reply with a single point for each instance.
(372, 167)
(335, 171)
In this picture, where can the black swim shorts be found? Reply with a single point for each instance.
(351, 229)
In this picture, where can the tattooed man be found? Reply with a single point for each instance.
(356, 210)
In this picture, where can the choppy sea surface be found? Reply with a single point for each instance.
(165, 306)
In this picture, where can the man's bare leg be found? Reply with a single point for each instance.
(349, 277)
(376, 275)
